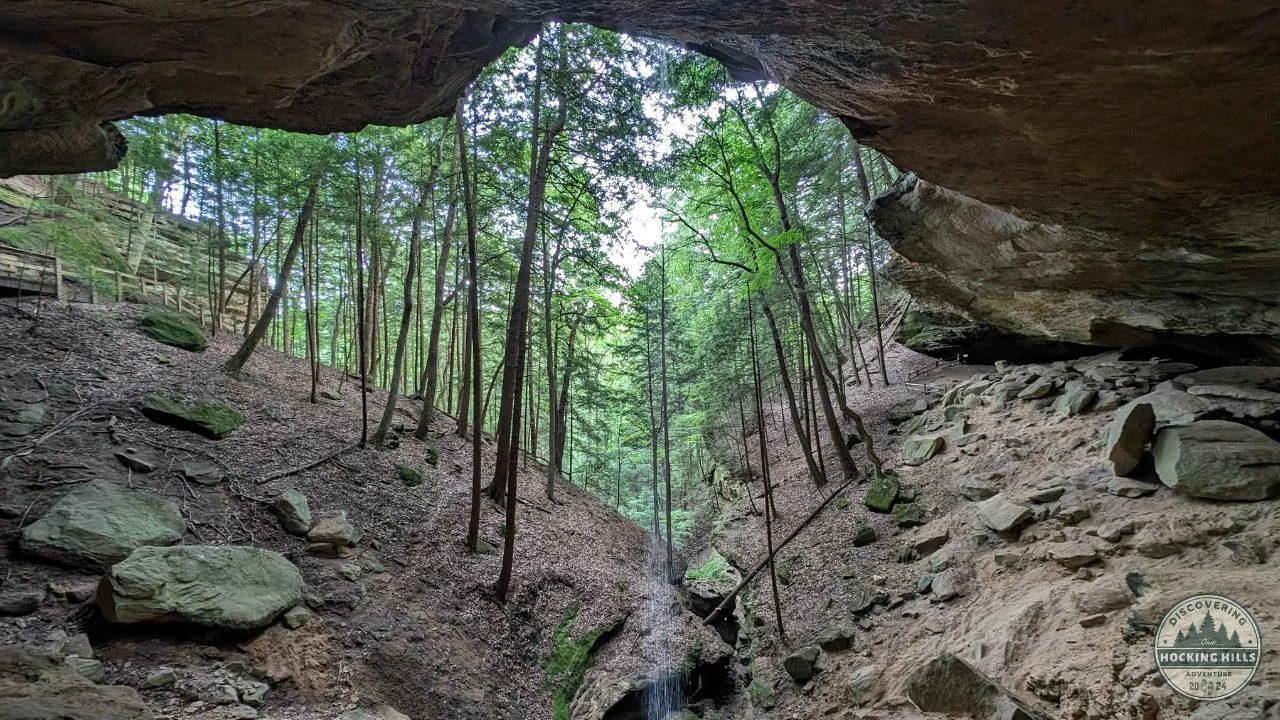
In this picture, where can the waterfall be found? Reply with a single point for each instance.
(665, 693)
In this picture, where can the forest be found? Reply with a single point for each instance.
(608, 258)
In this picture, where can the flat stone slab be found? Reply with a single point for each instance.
(99, 524)
(1001, 514)
(1218, 460)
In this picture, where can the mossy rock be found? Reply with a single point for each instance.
(173, 329)
(408, 476)
(881, 493)
(209, 419)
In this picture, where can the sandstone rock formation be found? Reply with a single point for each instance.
(232, 587)
(1114, 163)
(100, 523)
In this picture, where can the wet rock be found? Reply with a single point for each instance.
(1128, 436)
(917, 450)
(22, 602)
(1218, 460)
(908, 515)
(100, 523)
(881, 492)
(137, 460)
(802, 664)
(1002, 514)
(213, 420)
(293, 511)
(335, 529)
(951, 686)
(1124, 487)
(230, 587)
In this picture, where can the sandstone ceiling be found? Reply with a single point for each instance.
(1117, 161)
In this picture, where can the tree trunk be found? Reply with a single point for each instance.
(236, 363)
(430, 375)
(796, 423)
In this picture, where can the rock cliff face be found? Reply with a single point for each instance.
(1120, 155)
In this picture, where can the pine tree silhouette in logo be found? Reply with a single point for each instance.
(1208, 635)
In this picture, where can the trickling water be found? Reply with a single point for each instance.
(665, 694)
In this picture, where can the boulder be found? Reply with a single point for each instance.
(1128, 435)
(137, 460)
(335, 529)
(1001, 514)
(1173, 406)
(1075, 398)
(948, 585)
(835, 639)
(202, 473)
(881, 492)
(229, 587)
(907, 515)
(917, 450)
(859, 684)
(864, 535)
(1037, 389)
(975, 490)
(172, 329)
(99, 524)
(931, 537)
(802, 664)
(1218, 460)
(1047, 495)
(1239, 400)
(212, 420)
(951, 686)
(293, 510)
(38, 684)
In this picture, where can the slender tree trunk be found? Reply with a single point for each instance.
(236, 363)
(362, 312)
(431, 374)
(406, 317)
(666, 419)
(473, 327)
(653, 427)
(769, 511)
(814, 473)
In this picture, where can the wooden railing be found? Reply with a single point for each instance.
(27, 272)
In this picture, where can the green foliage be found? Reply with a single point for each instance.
(712, 569)
(567, 662)
(173, 329)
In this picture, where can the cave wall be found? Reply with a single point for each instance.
(1113, 160)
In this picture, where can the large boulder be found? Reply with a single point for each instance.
(918, 450)
(37, 684)
(952, 686)
(99, 524)
(1218, 460)
(881, 492)
(1128, 436)
(212, 420)
(230, 587)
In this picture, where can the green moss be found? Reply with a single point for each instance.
(565, 665)
(408, 476)
(171, 328)
(433, 457)
(209, 419)
(761, 695)
(712, 569)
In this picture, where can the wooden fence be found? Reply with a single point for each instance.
(24, 273)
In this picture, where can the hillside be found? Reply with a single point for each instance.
(419, 630)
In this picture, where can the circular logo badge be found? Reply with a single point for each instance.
(1208, 647)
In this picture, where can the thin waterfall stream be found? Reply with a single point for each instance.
(665, 693)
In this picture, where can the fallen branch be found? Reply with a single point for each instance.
(302, 468)
(715, 614)
(62, 425)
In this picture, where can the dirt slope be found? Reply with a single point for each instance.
(426, 636)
